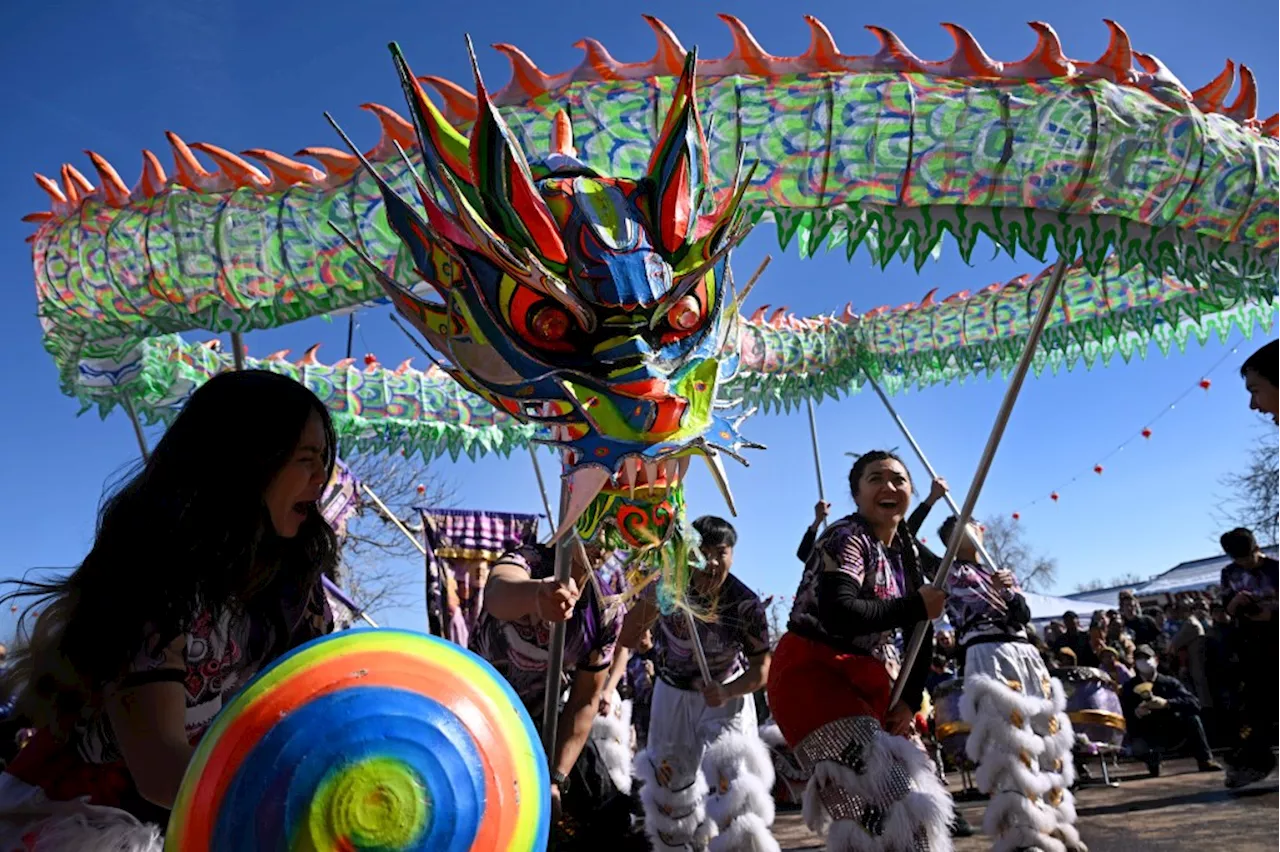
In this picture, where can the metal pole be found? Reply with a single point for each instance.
(391, 516)
(351, 330)
(817, 458)
(699, 654)
(933, 474)
(137, 428)
(1047, 299)
(582, 548)
(542, 487)
(438, 581)
(237, 350)
(555, 654)
(751, 282)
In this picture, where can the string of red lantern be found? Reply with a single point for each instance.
(1145, 433)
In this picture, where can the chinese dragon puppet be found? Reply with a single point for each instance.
(562, 244)
(600, 308)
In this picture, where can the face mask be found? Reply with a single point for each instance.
(1145, 668)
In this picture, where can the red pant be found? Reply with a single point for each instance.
(812, 684)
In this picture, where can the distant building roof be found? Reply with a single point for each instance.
(1198, 574)
(1183, 577)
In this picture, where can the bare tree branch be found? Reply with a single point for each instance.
(1004, 540)
(1255, 499)
(374, 544)
(778, 613)
(1126, 579)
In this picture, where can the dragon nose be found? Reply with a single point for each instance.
(618, 348)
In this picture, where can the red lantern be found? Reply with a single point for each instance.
(1054, 496)
(13, 608)
(1204, 383)
(370, 359)
(1016, 516)
(1097, 468)
(1146, 433)
(924, 539)
(422, 489)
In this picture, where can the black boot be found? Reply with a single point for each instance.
(960, 826)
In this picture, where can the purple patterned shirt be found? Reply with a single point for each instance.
(1261, 582)
(740, 629)
(519, 649)
(977, 605)
(849, 546)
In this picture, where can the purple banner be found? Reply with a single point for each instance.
(341, 498)
(460, 545)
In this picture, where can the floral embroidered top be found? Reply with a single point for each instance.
(738, 629)
(519, 650)
(980, 608)
(851, 548)
(213, 660)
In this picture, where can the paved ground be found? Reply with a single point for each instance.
(1180, 810)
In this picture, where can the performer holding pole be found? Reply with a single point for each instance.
(1047, 298)
(525, 591)
(1020, 735)
(707, 777)
(833, 670)
(817, 457)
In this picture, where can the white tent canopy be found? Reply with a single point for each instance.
(1048, 608)
(1045, 608)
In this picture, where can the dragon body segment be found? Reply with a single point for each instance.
(1115, 160)
(783, 359)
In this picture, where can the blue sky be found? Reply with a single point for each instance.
(115, 76)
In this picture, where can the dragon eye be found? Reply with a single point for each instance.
(685, 314)
(549, 324)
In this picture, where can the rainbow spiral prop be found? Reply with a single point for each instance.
(368, 739)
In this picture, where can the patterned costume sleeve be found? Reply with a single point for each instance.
(953, 605)
(753, 625)
(610, 629)
(848, 551)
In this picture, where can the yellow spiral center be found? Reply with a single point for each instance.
(374, 803)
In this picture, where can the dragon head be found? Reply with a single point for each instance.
(599, 307)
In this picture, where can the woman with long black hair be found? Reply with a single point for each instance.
(833, 672)
(205, 567)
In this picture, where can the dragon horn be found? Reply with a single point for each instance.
(505, 185)
(678, 165)
(444, 150)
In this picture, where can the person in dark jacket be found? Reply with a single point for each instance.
(1160, 712)
(1143, 628)
(1077, 640)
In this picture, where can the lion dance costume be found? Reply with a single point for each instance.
(1020, 736)
(707, 776)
